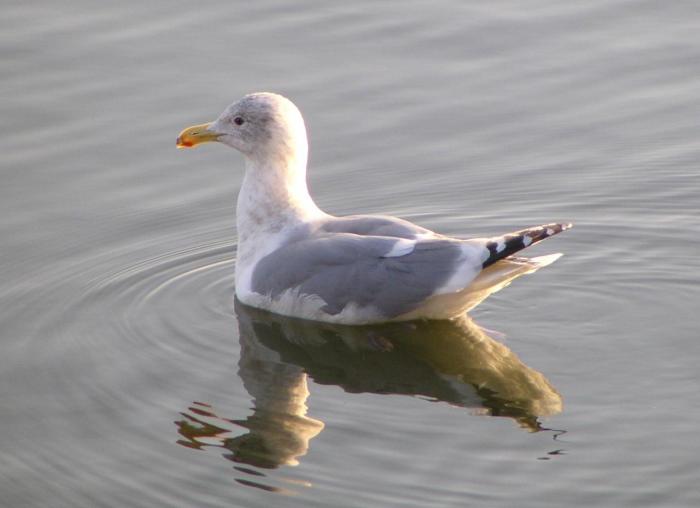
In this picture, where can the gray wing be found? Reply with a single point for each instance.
(391, 275)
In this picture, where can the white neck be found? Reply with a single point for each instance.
(273, 198)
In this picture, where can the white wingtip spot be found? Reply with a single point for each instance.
(401, 248)
(500, 246)
(527, 240)
(550, 232)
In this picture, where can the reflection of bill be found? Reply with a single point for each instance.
(452, 361)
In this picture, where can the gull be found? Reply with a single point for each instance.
(295, 259)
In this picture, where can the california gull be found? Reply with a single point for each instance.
(295, 259)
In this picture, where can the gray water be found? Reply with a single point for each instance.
(129, 376)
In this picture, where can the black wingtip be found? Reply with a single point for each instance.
(507, 245)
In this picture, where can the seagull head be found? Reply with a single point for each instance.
(264, 127)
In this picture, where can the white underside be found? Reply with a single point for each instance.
(292, 303)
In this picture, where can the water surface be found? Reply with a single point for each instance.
(129, 377)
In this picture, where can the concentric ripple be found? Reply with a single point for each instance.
(177, 310)
(165, 304)
(123, 354)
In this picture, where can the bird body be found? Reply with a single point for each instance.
(294, 259)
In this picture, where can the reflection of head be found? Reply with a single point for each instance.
(273, 440)
(279, 428)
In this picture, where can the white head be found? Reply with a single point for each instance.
(266, 128)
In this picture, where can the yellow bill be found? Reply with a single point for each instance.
(193, 136)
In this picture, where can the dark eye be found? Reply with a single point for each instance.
(238, 120)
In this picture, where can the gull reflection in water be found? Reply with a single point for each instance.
(454, 361)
